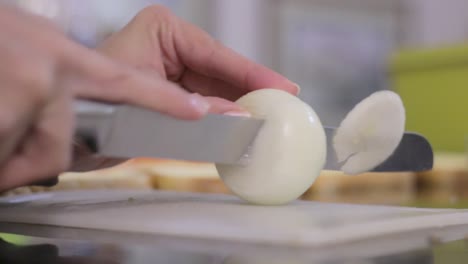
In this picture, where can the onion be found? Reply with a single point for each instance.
(287, 155)
(370, 132)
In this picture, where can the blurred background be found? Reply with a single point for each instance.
(338, 51)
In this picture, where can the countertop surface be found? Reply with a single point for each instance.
(170, 227)
(29, 249)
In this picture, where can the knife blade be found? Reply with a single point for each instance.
(414, 153)
(115, 133)
(124, 131)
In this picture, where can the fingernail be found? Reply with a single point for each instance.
(200, 103)
(238, 113)
(298, 88)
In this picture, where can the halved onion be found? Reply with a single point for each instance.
(287, 155)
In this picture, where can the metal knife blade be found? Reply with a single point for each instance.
(126, 131)
(120, 132)
(414, 153)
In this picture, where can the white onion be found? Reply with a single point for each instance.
(370, 132)
(287, 155)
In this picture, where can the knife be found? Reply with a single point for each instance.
(109, 134)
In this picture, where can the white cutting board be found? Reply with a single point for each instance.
(210, 216)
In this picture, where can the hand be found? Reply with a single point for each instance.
(158, 42)
(35, 114)
(39, 70)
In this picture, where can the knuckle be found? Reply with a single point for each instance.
(7, 124)
(154, 12)
(37, 79)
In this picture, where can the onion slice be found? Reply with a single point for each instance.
(370, 132)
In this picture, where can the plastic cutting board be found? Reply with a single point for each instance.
(223, 217)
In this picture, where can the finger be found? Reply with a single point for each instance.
(104, 79)
(203, 54)
(22, 94)
(130, 45)
(46, 150)
(156, 94)
(16, 113)
(207, 86)
(107, 80)
(223, 106)
(14, 121)
(217, 92)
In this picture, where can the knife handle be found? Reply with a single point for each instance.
(92, 122)
(90, 118)
(93, 108)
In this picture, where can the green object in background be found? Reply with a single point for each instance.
(433, 84)
(14, 239)
(420, 203)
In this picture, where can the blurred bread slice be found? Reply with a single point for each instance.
(371, 187)
(442, 198)
(184, 176)
(118, 177)
(450, 173)
(181, 175)
(141, 173)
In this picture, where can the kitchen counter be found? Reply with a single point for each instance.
(184, 251)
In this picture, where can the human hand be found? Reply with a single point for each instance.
(158, 42)
(35, 114)
(39, 70)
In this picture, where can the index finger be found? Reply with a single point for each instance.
(100, 78)
(207, 56)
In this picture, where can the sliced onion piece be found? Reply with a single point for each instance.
(370, 132)
(288, 153)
